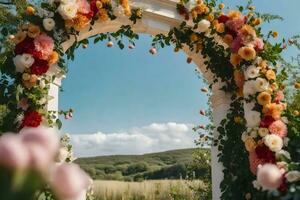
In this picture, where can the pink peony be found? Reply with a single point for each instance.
(269, 176)
(75, 181)
(13, 152)
(235, 24)
(254, 162)
(83, 7)
(42, 136)
(44, 45)
(258, 44)
(236, 44)
(279, 96)
(279, 128)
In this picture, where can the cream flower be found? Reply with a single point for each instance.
(48, 24)
(252, 118)
(22, 62)
(282, 154)
(263, 132)
(68, 11)
(203, 25)
(249, 88)
(261, 84)
(293, 176)
(274, 142)
(252, 72)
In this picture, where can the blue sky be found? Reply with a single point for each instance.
(116, 91)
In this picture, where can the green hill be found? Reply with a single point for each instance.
(164, 165)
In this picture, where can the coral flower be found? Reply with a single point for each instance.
(247, 53)
(53, 58)
(279, 96)
(274, 110)
(278, 128)
(45, 45)
(254, 162)
(264, 98)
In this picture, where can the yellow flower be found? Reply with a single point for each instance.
(228, 39)
(238, 120)
(25, 76)
(221, 6)
(234, 14)
(271, 75)
(31, 82)
(80, 22)
(194, 37)
(264, 98)
(247, 53)
(263, 64)
(53, 58)
(30, 10)
(275, 34)
(235, 59)
(297, 85)
(103, 15)
(257, 21)
(33, 31)
(296, 113)
(201, 9)
(250, 144)
(220, 28)
(19, 37)
(248, 30)
(251, 8)
(210, 17)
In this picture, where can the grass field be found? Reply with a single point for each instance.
(146, 190)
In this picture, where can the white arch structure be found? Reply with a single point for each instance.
(159, 16)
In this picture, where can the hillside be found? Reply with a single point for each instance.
(173, 164)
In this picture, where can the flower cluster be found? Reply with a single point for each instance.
(34, 150)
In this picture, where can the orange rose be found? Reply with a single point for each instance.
(220, 28)
(247, 53)
(235, 59)
(271, 75)
(33, 31)
(234, 14)
(264, 98)
(228, 39)
(250, 144)
(53, 58)
(273, 109)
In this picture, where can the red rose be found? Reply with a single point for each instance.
(263, 152)
(94, 6)
(223, 19)
(32, 119)
(283, 187)
(27, 46)
(39, 67)
(266, 121)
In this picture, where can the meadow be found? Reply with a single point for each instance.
(147, 190)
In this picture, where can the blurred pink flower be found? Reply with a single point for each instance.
(235, 24)
(13, 153)
(279, 128)
(68, 181)
(83, 6)
(269, 176)
(44, 45)
(258, 44)
(40, 159)
(279, 96)
(236, 44)
(42, 136)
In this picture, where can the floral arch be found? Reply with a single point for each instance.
(250, 158)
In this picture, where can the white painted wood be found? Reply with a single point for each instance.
(160, 16)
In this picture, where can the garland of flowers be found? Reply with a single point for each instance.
(253, 137)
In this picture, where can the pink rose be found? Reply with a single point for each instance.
(279, 96)
(278, 128)
(83, 7)
(44, 45)
(269, 176)
(236, 44)
(68, 181)
(235, 24)
(13, 153)
(42, 136)
(258, 44)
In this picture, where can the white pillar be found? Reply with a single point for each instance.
(220, 102)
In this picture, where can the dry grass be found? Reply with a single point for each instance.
(146, 190)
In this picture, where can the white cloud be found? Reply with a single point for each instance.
(138, 140)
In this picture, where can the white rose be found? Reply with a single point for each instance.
(256, 185)
(68, 11)
(203, 26)
(261, 84)
(253, 134)
(249, 88)
(293, 176)
(283, 153)
(244, 136)
(48, 24)
(22, 62)
(252, 118)
(263, 132)
(274, 142)
(251, 72)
